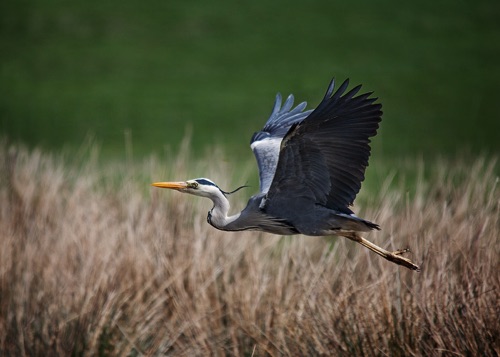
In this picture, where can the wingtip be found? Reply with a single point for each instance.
(330, 89)
(343, 87)
(288, 103)
(277, 104)
(340, 91)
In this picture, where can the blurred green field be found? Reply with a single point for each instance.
(73, 70)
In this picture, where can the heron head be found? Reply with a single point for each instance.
(199, 187)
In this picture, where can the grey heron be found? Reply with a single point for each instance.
(311, 165)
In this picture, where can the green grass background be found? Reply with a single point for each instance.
(154, 69)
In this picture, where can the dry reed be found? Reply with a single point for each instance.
(93, 262)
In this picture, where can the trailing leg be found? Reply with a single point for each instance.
(394, 257)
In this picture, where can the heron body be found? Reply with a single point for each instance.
(311, 165)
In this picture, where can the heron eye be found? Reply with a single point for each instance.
(193, 185)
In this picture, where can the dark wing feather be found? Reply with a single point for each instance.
(266, 143)
(323, 158)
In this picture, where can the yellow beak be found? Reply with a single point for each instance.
(172, 185)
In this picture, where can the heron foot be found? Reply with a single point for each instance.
(396, 257)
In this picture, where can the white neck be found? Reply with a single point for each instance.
(218, 215)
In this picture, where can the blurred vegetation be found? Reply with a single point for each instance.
(154, 69)
(94, 268)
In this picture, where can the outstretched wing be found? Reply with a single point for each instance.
(323, 158)
(266, 143)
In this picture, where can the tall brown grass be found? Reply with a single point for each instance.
(94, 262)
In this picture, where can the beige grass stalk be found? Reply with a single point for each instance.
(93, 262)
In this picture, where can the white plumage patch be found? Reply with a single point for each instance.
(267, 152)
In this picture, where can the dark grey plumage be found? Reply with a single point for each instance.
(321, 161)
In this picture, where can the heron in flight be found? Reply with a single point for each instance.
(311, 165)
